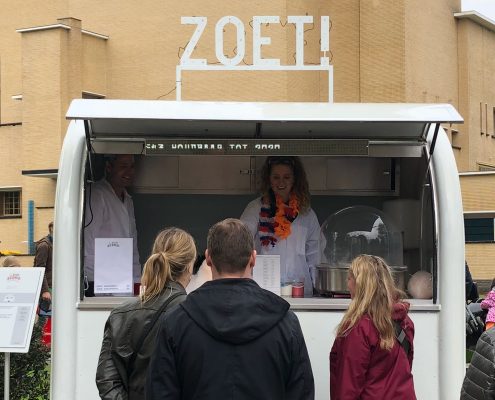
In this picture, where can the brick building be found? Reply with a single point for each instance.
(381, 51)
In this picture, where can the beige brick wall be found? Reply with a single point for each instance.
(477, 95)
(10, 156)
(481, 260)
(71, 75)
(94, 64)
(344, 44)
(42, 89)
(431, 53)
(382, 54)
(10, 164)
(478, 192)
(463, 140)
(15, 15)
(12, 236)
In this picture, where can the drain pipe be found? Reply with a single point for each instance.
(31, 227)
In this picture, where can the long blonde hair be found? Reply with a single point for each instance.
(173, 254)
(375, 295)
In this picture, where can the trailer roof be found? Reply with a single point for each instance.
(155, 118)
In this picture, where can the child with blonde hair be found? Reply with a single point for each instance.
(371, 357)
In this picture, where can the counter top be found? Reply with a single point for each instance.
(301, 304)
(323, 304)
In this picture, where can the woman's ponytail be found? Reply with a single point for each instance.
(174, 252)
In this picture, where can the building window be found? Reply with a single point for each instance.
(485, 167)
(478, 230)
(92, 95)
(10, 203)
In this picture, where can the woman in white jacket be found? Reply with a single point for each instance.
(282, 221)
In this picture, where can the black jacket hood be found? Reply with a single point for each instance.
(234, 310)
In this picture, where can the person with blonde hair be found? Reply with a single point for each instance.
(283, 223)
(11, 261)
(130, 331)
(371, 357)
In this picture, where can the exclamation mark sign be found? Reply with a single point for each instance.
(325, 39)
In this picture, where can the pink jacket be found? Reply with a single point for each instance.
(489, 304)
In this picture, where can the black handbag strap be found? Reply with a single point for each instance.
(401, 337)
(150, 326)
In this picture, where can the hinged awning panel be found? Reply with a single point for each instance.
(189, 119)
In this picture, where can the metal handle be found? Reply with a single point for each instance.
(247, 171)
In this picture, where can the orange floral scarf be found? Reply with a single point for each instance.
(276, 219)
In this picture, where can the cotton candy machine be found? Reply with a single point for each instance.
(350, 232)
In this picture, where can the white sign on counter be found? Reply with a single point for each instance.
(113, 266)
(19, 293)
(266, 272)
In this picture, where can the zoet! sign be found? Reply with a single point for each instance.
(188, 62)
(258, 40)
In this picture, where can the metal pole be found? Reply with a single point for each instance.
(6, 377)
(178, 83)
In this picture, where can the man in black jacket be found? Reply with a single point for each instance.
(230, 339)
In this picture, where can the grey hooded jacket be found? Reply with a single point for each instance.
(479, 382)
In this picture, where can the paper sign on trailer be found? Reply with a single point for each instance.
(19, 293)
(113, 265)
(266, 272)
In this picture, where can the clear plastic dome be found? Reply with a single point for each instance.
(360, 230)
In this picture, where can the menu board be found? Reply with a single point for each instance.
(113, 266)
(266, 272)
(19, 293)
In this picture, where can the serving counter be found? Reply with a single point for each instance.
(296, 304)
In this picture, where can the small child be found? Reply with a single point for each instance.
(489, 304)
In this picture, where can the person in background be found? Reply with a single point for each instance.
(44, 258)
(11, 261)
(230, 339)
(367, 361)
(479, 382)
(471, 287)
(130, 331)
(110, 214)
(282, 221)
(488, 303)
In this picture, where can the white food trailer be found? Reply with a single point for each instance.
(197, 163)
